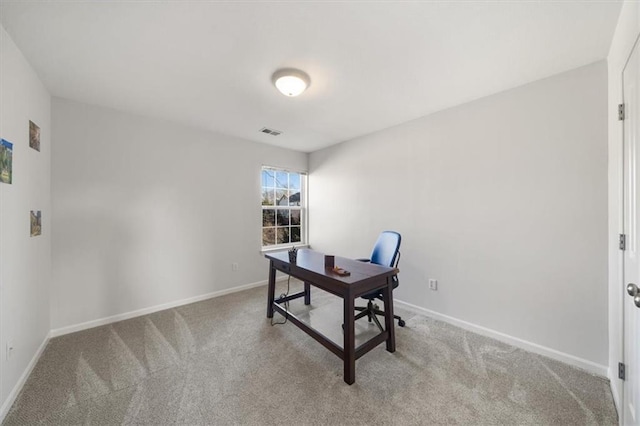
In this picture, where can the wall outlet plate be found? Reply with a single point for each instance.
(433, 284)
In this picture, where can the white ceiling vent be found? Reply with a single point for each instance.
(270, 131)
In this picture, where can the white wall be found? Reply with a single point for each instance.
(502, 200)
(25, 261)
(625, 36)
(147, 212)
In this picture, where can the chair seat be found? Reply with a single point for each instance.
(371, 296)
(378, 293)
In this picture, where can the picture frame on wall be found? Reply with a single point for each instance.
(6, 161)
(34, 136)
(36, 222)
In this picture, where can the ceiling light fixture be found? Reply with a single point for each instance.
(291, 82)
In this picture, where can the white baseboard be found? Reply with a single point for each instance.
(591, 367)
(22, 380)
(144, 311)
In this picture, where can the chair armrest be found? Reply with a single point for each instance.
(364, 260)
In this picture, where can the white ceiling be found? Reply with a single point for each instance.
(372, 64)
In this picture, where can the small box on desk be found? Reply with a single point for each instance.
(340, 271)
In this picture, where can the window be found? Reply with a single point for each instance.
(283, 212)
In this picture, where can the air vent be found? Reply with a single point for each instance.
(270, 131)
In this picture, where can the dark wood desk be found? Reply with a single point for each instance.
(364, 278)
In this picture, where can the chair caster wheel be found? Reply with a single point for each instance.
(401, 323)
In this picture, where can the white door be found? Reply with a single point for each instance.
(631, 94)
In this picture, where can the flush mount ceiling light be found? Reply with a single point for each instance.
(290, 82)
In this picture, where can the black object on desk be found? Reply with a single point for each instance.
(329, 261)
(293, 254)
(365, 278)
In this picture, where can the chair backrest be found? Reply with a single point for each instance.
(387, 249)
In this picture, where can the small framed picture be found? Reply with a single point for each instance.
(34, 136)
(36, 223)
(6, 160)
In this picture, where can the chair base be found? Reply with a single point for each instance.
(371, 312)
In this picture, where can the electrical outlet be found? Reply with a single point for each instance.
(433, 284)
(9, 349)
(234, 266)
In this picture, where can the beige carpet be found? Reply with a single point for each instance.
(221, 362)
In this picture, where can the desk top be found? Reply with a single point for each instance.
(313, 261)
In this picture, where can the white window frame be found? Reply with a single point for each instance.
(304, 224)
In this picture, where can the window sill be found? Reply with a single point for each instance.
(281, 248)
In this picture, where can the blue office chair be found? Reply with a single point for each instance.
(386, 252)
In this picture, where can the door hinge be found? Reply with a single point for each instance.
(621, 371)
(622, 242)
(621, 112)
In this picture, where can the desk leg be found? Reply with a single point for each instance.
(272, 290)
(307, 293)
(349, 350)
(387, 295)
